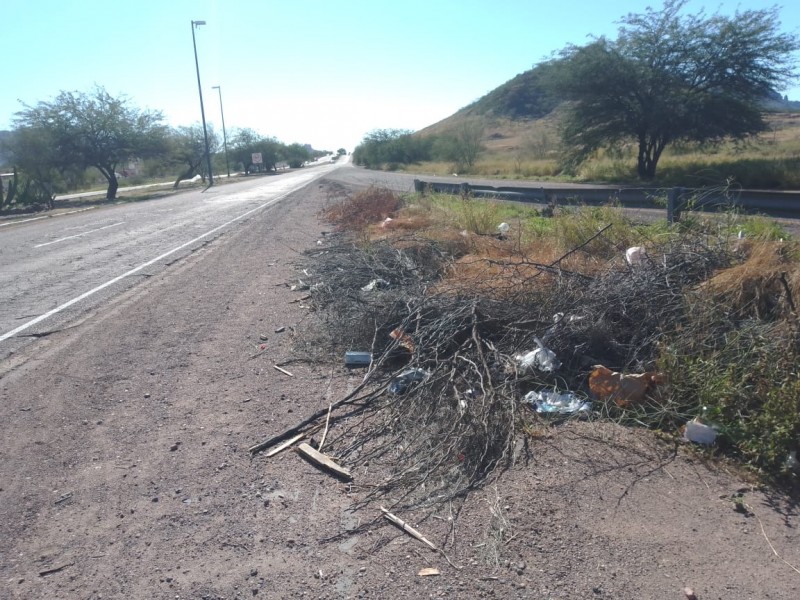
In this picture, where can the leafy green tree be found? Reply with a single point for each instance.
(671, 77)
(243, 143)
(295, 155)
(188, 149)
(387, 146)
(32, 149)
(95, 130)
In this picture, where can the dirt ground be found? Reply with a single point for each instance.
(125, 471)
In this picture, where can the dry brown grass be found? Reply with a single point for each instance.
(765, 285)
(486, 264)
(363, 209)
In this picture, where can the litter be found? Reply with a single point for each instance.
(542, 358)
(624, 390)
(403, 339)
(635, 255)
(375, 284)
(560, 317)
(357, 359)
(401, 384)
(555, 402)
(791, 461)
(386, 222)
(503, 229)
(699, 433)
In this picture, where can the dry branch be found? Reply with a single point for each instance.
(408, 529)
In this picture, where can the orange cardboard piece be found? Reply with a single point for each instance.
(624, 390)
(403, 339)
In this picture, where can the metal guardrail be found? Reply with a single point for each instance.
(771, 203)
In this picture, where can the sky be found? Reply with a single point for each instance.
(319, 72)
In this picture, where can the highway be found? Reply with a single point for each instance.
(54, 270)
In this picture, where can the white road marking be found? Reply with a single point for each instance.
(71, 212)
(111, 282)
(69, 237)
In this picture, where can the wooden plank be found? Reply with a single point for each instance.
(324, 461)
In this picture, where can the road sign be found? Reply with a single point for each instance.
(257, 158)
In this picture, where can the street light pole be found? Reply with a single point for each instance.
(224, 135)
(196, 24)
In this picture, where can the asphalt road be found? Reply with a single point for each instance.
(55, 270)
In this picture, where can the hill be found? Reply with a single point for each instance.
(517, 115)
(520, 123)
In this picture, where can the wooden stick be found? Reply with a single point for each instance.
(324, 461)
(289, 442)
(47, 572)
(284, 371)
(286, 444)
(408, 529)
(325, 433)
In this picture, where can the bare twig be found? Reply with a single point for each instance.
(284, 371)
(408, 529)
(325, 433)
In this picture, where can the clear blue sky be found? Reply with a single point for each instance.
(312, 71)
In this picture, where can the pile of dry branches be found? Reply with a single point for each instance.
(458, 418)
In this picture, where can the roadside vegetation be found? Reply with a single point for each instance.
(601, 112)
(81, 139)
(708, 314)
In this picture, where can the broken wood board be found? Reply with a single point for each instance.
(323, 461)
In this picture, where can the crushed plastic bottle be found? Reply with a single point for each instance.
(407, 379)
(555, 402)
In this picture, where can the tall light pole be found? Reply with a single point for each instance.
(196, 24)
(224, 135)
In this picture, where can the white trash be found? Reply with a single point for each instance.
(699, 433)
(635, 255)
(554, 402)
(375, 284)
(503, 228)
(542, 358)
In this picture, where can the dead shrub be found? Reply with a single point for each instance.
(356, 212)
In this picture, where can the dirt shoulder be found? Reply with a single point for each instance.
(125, 471)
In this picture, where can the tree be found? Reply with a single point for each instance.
(463, 145)
(95, 130)
(388, 146)
(295, 155)
(188, 149)
(243, 143)
(671, 77)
